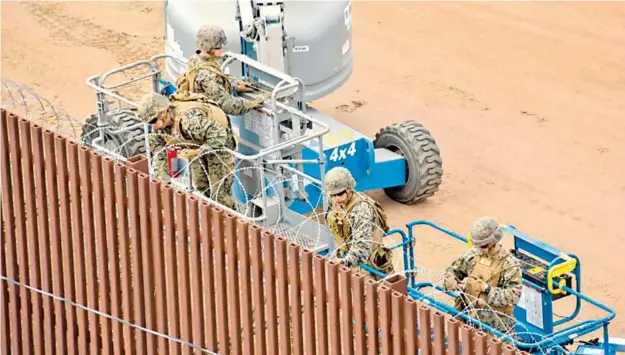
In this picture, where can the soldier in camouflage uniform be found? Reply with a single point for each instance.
(488, 277)
(192, 127)
(204, 75)
(358, 224)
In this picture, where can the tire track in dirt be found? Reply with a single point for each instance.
(68, 30)
(71, 30)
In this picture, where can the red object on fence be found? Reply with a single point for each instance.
(171, 167)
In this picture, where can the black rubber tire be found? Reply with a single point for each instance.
(424, 165)
(127, 144)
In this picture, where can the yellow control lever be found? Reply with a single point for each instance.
(567, 266)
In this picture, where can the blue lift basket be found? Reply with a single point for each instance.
(549, 274)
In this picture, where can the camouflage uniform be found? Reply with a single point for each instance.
(358, 227)
(206, 76)
(196, 125)
(501, 272)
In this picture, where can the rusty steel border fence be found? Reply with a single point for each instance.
(97, 258)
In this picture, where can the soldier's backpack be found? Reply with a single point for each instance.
(186, 96)
(186, 100)
(186, 81)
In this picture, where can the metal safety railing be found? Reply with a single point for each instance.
(103, 89)
(552, 340)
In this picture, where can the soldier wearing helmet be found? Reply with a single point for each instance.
(191, 127)
(358, 224)
(204, 74)
(487, 277)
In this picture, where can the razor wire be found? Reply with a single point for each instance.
(25, 102)
(273, 186)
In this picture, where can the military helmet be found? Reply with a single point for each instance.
(338, 180)
(152, 105)
(210, 37)
(485, 231)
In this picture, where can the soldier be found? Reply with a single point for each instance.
(204, 74)
(187, 126)
(358, 224)
(489, 277)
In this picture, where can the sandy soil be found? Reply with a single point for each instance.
(525, 101)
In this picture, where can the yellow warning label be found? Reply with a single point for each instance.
(339, 137)
(536, 270)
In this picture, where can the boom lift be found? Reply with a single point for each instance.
(276, 46)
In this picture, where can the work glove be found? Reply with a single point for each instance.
(188, 154)
(260, 99)
(474, 284)
(382, 260)
(451, 284)
(242, 87)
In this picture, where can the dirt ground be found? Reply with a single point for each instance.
(524, 99)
